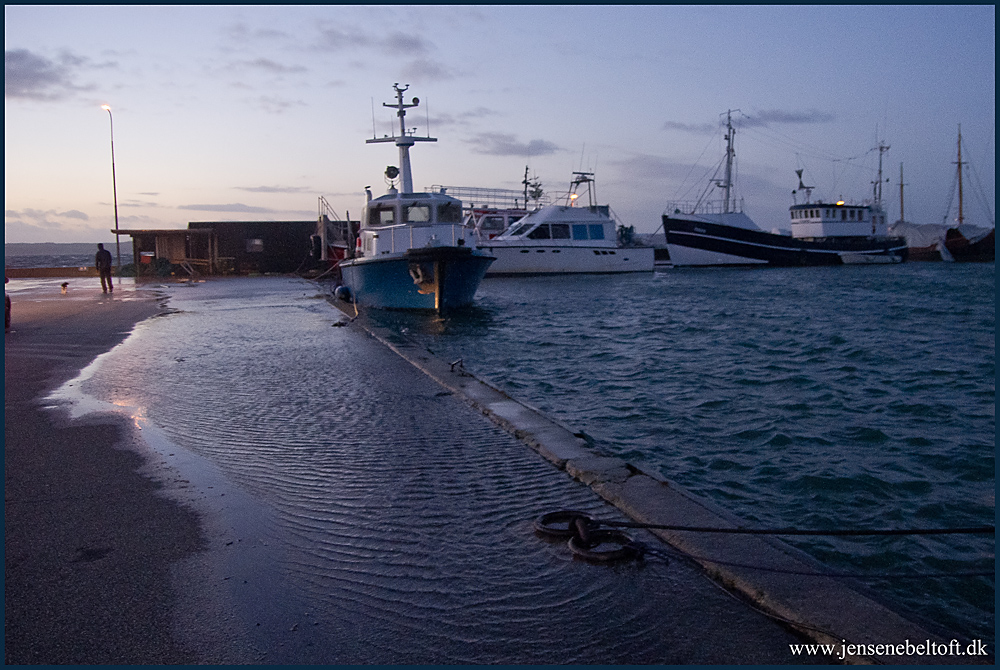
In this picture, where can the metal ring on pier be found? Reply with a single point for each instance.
(589, 551)
(544, 524)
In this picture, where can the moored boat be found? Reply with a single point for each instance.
(412, 250)
(822, 233)
(568, 239)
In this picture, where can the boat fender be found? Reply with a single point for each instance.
(343, 293)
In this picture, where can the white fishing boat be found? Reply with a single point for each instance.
(412, 250)
(568, 239)
(822, 233)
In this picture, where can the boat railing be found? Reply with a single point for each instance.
(700, 207)
(498, 198)
(401, 234)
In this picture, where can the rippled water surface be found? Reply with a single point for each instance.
(822, 398)
(392, 523)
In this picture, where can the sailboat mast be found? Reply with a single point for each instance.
(901, 215)
(961, 213)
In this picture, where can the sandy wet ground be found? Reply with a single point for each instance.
(88, 543)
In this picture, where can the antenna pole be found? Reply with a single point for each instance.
(404, 140)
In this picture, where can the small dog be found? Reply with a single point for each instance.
(64, 285)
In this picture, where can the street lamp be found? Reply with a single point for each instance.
(114, 186)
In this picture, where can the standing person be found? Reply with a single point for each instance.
(103, 262)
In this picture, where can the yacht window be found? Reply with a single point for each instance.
(450, 212)
(540, 233)
(382, 217)
(843, 215)
(492, 223)
(560, 231)
(417, 214)
(596, 231)
(793, 216)
(851, 215)
(579, 231)
(520, 229)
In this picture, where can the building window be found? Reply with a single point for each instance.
(255, 245)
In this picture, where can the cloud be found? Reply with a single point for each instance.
(44, 218)
(403, 44)
(271, 66)
(272, 189)
(334, 39)
(503, 144)
(768, 117)
(273, 105)
(241, 33)
(34, 225)
(762, 119)
(423, 69)
(697, 128)
(30, 76)
(234, 207)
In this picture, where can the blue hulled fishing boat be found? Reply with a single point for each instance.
(412, 251)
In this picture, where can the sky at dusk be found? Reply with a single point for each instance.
(253, 112)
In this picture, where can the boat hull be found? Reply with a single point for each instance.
(700, 243)
(982, 250)
(435, 279)
(550, 260)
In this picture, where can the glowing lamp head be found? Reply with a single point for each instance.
(106, 108)
(840, 203)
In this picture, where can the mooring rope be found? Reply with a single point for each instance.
(585, 539)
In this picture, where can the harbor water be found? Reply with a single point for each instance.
(816, 398)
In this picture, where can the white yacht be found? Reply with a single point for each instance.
(567, 239)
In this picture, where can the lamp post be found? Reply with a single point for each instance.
(114, 186)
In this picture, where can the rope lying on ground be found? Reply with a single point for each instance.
(586, 537)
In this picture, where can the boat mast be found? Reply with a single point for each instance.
(727, 185)
(901, 185)
(882, 148)
(404, 141)
(961, 213)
